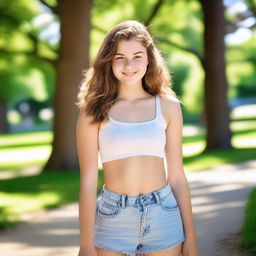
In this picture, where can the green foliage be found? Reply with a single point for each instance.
(19, 10)
(179, 23)
(241, 68)
(249, 226)
(27, 78)
(52, 3)
(46, 190)
(22, 72)
(14, 16)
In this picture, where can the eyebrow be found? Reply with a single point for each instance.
(133, 54)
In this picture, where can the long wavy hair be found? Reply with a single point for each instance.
(99, 88)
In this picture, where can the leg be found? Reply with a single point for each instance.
(101, 252)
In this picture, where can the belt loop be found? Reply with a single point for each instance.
(123, 201)
(157, 197)
(103, 189)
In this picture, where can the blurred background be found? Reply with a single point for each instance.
(210, 50)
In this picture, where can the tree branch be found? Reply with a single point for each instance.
(52, 8)
(155, 9)
(35, 42)
(32, 54)
(185, 49)
(252, 6)
(11, 19)
(103, 31)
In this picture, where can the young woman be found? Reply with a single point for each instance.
(129, 113)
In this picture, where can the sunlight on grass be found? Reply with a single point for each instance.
(24, 149)
(24, 156)
(244, 133)
(22, 195)
(246, 111)
(14, 205)
(237, 126)
(244, 136)
(25, 138)
(17, 202)
(244, 141)
(190, 149)
(218, 157)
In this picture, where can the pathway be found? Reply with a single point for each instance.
(218, 198)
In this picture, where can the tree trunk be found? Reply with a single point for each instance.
(4, 126)
(215, 95)
(73, 59)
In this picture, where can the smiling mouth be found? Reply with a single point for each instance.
(129, 73)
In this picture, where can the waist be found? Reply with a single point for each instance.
(129, 200)
(135, 177)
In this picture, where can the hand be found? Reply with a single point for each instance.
(189, 248)
(87, 252)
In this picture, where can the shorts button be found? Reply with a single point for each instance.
(139, 246)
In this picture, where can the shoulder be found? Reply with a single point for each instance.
(85, 121)
(171, 108)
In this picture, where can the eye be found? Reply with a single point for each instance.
(138, 57)
(119, 58)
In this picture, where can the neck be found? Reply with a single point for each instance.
(131, 93)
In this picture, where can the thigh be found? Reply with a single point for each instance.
(102, 252)
(174, 251)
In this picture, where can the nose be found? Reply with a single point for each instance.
(128, 63)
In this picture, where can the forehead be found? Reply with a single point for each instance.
(129, 47)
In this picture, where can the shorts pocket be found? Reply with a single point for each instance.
(168, 202)
(108, 208)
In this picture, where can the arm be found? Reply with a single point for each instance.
(176, 176)
(87, 148)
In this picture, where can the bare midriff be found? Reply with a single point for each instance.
(135, 175)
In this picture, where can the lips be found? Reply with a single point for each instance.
(129, 74)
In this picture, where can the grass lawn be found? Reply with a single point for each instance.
(26, 148)
(249, 225)
(52, 189)
(31, 193)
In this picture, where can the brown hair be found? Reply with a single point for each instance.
(99, 89)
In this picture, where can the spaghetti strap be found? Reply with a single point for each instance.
(158, 107)
(160, 116)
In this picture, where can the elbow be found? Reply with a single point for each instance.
(89, 182)
(178, 182)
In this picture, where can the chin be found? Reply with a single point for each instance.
(130, 83)
(131, 80)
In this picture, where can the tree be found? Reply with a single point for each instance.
(73, 57)
(215, 100)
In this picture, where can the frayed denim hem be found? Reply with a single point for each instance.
(159, 250)
(113, 250)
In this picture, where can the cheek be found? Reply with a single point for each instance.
(116, 69)
(142, 63)
(116, 65)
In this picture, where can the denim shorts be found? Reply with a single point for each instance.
(137, 224)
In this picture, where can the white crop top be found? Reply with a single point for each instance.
(119, 139)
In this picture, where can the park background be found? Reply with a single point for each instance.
(209, 47)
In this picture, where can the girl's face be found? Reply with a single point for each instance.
(130, 61)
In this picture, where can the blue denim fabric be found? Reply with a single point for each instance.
(137, 224)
